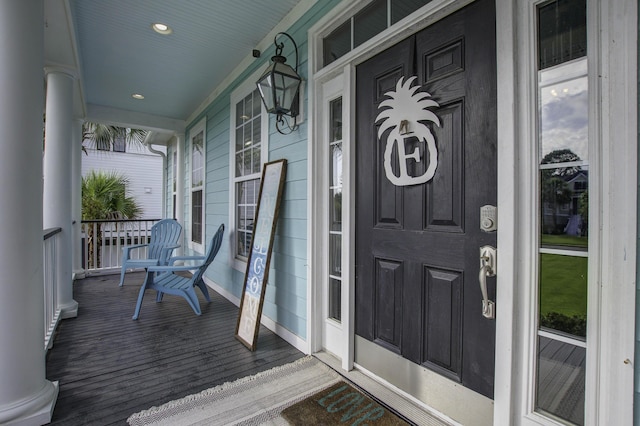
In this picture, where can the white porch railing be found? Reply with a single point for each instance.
(50, 267)
(103, 240)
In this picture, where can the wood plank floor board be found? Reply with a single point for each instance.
(110, 366)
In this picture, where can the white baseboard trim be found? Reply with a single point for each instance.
(294, 340)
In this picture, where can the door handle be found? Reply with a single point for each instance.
(487, 269)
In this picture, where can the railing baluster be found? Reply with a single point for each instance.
(106, 251)
(50, 265)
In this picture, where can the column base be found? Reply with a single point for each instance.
(36, 411)
(69, 310)
(78, 274)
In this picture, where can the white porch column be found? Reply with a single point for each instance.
(76, 199)
(180, 187)
(26, 397)
(57, 178)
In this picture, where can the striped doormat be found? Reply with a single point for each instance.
(253, 400)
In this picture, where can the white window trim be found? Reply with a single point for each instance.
(201, 126)
(248, 86)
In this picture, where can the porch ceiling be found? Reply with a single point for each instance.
(111, 47)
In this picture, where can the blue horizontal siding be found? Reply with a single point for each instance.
(286, 294)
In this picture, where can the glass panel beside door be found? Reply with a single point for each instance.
(563, 167)
(335, 209)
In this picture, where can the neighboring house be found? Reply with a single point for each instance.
(565, 216)
(418, 117)
(143, 169)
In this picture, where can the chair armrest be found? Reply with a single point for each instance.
(153, 269)
(126, 250)
(165, 253)
(185, 258)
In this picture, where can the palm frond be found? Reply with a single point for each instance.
(104, 135)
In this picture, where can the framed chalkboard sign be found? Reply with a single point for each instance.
(255, 279)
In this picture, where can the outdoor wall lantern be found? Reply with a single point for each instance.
(279, 86)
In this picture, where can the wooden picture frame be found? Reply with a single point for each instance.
(259, 259)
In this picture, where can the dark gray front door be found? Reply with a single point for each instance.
(418, 246)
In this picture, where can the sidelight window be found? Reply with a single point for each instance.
(563, 170)
(335, 209)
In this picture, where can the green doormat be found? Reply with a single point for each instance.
(341, 404)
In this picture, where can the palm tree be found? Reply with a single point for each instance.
(104, 197)
(104, 135)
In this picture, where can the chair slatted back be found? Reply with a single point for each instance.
(164, 233)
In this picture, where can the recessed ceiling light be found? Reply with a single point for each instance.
(137, 96)
(161, 28)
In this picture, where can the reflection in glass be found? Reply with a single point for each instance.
(335, 118)
(239, 112)
(563, 294)
(196, 159)
(337, 43)
(561, 379)
(175, 172)
(255, 135)
(239, 138)
(564, 193)
(246, 193)
(248, 108)
(563, 159)
(402, 8)
(335, 209)
(335, 297)
(248, 132)
(257, 103)
(247, 162)
(369, 21)
(335, 254)
(366, 23)
(336, 165)
(196, 216)
(255, 155)
(248, 135)
(564, 111)
(562, 32)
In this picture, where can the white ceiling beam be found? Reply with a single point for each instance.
(137, 120)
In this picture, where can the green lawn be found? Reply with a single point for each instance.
(564, 240)
(563, 284)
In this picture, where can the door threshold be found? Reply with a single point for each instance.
(409, 408)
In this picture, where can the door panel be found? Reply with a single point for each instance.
(443, 303)
(388, 327)
(418, 246)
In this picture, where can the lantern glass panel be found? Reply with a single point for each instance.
(278, 87)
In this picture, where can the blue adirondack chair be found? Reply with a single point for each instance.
(164, 279)
(164, 239)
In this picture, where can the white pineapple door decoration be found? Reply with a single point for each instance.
(403, 113)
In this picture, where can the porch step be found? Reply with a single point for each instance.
(412, 410)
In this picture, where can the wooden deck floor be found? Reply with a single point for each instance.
(109, 366)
